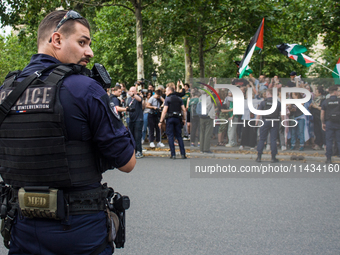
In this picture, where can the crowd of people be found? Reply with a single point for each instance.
(140, 110)
(298, 131)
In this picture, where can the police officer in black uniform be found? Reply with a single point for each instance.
(269, 126)
(173, 106)
(116, 92)
(56, 141)
(330, 119)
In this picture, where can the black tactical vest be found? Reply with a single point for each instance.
(175, 104)
(267, 106)
(333, 109)
(34, 148)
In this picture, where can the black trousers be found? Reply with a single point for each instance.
(153, 125)
(320, 136)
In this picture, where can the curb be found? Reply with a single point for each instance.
(233, 156)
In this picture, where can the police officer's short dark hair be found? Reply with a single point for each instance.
(332, 89)
(50, 22)
(117, 87)
(171, 89)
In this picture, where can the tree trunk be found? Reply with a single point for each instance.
(188, 61)
(139, 39)
(201, 56)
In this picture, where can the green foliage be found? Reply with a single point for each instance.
(224, 26)
(114, 45)
(15, 53)
(171, 68)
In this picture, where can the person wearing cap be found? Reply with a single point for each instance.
(292, 81)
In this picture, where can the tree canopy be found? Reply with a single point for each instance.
(217, 32)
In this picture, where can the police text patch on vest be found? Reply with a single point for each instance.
(35, 99)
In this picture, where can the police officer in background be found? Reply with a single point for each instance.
(269, 126)
(330, 119)
(174, 107)
(116, 92)
(64, 149)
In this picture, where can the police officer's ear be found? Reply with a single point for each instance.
(56, 40)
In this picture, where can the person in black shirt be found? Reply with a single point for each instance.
(173, 105)
(269, 126)
(134, 104)
(330, 119)
(116, 92)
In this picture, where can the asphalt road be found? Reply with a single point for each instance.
(172, 213)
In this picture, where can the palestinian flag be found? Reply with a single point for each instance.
(337, 71)
(256, 43)
(295, 51)
(247, 71)
(291, 49)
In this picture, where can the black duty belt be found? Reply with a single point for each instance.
(89, 201)
(174, 114)
(44, 202)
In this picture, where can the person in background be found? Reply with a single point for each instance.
(186, 98)
(260, 84)
(173, 106)
(135, 108)
(194, 118)
(151, 88)
(315, 110)
(268, 126)
(232, 137)
(154, 104)
(309, 118)
(292, 81)
(145, 116)
(249, 133)
(223, 128)
(115, 99)
(206, 123)
(299, 130)
(330, 119)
